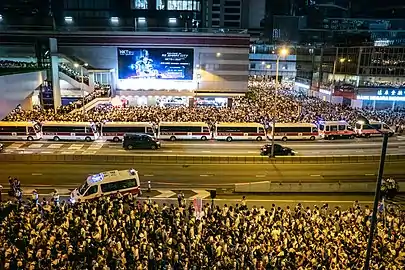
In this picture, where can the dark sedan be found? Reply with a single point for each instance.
(279, 150)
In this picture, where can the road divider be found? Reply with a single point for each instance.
(190, 159)
(305, 187)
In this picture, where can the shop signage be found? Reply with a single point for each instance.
(393, 92)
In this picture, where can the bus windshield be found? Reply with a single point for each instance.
(37, 127)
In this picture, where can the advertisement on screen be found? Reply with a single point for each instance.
(155, 63)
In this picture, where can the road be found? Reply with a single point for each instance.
(201, 176)
(210, 148)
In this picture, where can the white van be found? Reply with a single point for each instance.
(107, 183)
(374, 128)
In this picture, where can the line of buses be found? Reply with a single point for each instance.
(115, 131)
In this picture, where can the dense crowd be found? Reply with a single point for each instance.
(257, 106)
(123, 233)
(7, 64)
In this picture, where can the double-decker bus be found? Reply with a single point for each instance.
(331, 130)
(294, 131)
(29, 131)
(184, 131)
(374, 128)
(115, 131)
(239, 131)
(75, 131)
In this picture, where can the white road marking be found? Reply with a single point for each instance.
(164, 194)
(260, 175)
(148, 175)
(369, 174)
(201, 193)
(68, 152)
(206, 151)
(89, 152)
(315, 175)
(25, 152)
(46, 152)
(167, 151)
(204, 175)
(36, 174)
(35, 145)
(55, 146)
(76, 146)
(16, 145)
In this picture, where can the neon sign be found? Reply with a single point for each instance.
(393, 92)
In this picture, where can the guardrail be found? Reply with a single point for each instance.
(177, 159)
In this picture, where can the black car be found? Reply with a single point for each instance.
(279, 150)
(140, 141)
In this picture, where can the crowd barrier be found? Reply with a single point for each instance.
(182, 159)
(277, 187)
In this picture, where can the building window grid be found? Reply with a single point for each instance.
(183, 5)
(139, 4)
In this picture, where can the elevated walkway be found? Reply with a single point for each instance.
(74, 83)
(92, 104)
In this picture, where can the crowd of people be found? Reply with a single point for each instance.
(74, 73)
(11, 64)
(124, 233)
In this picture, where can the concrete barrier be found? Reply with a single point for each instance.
(183, 159)
(319, 187)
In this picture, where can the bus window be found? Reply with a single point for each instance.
(327, 128)
(358, 125)
(350, 128)
(342, 127)
(83, 188)
(386, 126)
(206, 129)
(91, 190)
(314, 129)
(322, 127)
(261, 130)
(110, 187)
(149, 130)
(333, 128)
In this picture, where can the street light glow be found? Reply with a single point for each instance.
(76, 65)
(68, 19)
(341, 60)
(283, 52)
(85, 64)
(114, 20)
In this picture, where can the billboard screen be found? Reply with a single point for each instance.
(155, 63)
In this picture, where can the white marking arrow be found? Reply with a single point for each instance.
(164, 193)
(201, 193)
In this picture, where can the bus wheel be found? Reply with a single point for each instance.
(367, 136)
(130, 147)
(284, 139)
(229, 139)
(56, 138)
(312, 138)
(331, 138)
(116, 139)
(30, 138)
(153, 147)
(203, 138)
(172, 138)
(351, 137)
(259, 139)
(87, 139)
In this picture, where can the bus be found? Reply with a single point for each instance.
(374, 128)
(239, 131)
(77, 131)
(115, 131)
(184, 131)
(107, 183)
(331, 130)
(294, 131)
(29, 131)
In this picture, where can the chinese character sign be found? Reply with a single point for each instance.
(391, 92)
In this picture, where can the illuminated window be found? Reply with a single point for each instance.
(160, 5)
(182, 4)
(139, 4)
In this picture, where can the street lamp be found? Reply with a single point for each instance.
(283, 52)
(377, 195)
(341, 60)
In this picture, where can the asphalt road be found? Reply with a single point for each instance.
(201, 176)
(210, 148)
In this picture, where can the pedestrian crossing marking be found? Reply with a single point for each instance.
(68, 152)
(165, 194)
(16, 145)
(36, 145)
(201, 193)
(55, 146)
(76, 146)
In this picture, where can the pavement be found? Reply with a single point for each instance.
(357, 146)
(200, 176)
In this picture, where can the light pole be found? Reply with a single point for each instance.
(81, 86)
(283, 52)
(377, 193)
(341, 60)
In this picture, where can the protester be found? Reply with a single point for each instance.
(122, 233)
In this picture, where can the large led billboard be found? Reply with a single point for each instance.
(155, 63)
